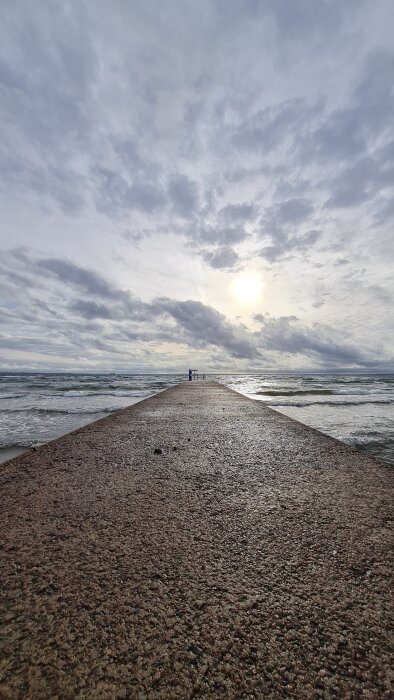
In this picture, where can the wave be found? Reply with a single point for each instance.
(301, 404)
(21, 443)
(120, 393)
(11, 396)
(371, 438)
(59, 411)
(94, 388)
(294, 392)
(381, 448)
(39, 385)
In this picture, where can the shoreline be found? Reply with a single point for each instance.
(7, 453)
(249, 555)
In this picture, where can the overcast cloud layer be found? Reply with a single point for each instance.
(154, 155)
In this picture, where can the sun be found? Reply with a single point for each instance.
(247, 287)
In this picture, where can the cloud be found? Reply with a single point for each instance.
(364, 179)
(374, 93)
(90, 309)
(308, 19)
(88, 280)
(281, 223)
(384, 213)
(144, 196)
(219, 235)
(204, 325)
(287, 213)
(224, 258)
(267, 129)
(47, 68)
(183, 194)
(115, 195)
(286, 245)
(339, 137)
(238, 212)
(319, 343)
(348, 133)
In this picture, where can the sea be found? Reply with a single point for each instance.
(356, 409)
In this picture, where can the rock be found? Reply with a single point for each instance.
(157, 451)
(195, 649)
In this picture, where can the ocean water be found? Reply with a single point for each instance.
(35, 408)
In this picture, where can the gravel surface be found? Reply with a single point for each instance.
(197, 544)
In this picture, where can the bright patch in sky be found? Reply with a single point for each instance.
(247, 287)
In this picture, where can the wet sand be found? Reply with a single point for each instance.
(247, 558)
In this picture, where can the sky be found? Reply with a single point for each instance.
(196, 184)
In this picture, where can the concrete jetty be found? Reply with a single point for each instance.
(197, 544)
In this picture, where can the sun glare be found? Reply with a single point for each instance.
(247, 287)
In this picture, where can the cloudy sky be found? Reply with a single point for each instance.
(196, 183)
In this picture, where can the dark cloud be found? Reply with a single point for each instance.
(90, 309)
(115, 195)
(224, 258)
(384, 211)
(288, 335)
(47, 68)
(135, 237)
(125, 306)
(386, 296)
(374, 92)
(54, 184)
(88, 280)
(310, 20)
(219, 235)
(364, 179)
(349, 133)
(135, 163)
(290, 187)
(285, 245)
(269, 128)
(339, 137)
(204, 325)
(183, 194)
(238, 212)
(144, 196)
(305, 20)
(287, 213)
(281, 223)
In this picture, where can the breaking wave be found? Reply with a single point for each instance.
(301, 404)
(295, 392)
(59, 411)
